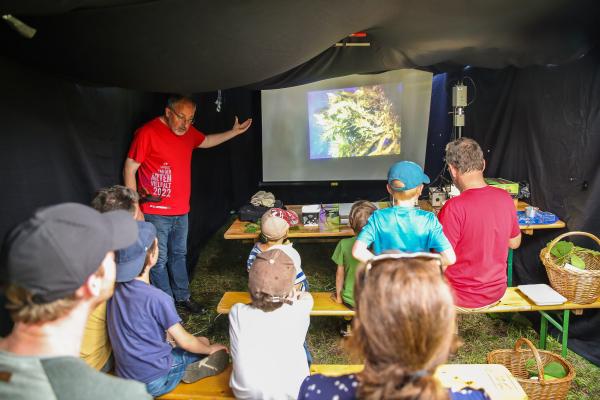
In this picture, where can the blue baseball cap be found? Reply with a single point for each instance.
(130, 260)
(409, 173)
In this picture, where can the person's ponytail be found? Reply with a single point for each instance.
(393, 382)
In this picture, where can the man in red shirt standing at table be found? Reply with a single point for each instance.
(481, 224)
(161, 154)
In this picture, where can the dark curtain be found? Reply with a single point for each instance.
(61, 141)
(542, 125)
(223, 177)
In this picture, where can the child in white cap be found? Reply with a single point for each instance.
(274, 226)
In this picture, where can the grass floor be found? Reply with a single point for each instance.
(221, 268)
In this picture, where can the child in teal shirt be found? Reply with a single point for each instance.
(342, 256)
(403, 226)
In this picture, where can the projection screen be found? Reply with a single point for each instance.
(348, 128)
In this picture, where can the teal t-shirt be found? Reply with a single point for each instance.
(343, 256)
(406, 229)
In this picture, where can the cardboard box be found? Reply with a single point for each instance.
(330, 214)
(511, 187)
(310, 215)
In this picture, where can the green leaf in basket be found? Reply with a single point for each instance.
(554, 369)
(549, 377)
(531, 367)
(576, 261)
(561, 249)
(588, 251)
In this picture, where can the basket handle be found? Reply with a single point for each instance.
(536, 355)
(564, 235)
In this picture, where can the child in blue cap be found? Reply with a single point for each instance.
(149, 343)
(403, 226)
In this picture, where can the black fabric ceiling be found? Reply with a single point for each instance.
(201, 45)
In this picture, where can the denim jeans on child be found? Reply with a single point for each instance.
(170, 272)
(166, 383)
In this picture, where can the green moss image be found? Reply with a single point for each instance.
(357, 122)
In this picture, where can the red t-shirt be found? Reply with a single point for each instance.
(479, 224)
(165, 160)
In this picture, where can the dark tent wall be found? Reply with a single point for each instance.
(542, 125)
(225, 176)
(61, 141)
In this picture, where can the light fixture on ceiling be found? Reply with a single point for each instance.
(21, 27)
(360, 35)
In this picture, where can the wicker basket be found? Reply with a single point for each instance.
(514, 361)
(581, 287)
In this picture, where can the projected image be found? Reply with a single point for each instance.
(354, 122)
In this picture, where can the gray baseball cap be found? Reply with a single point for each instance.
(53, 253)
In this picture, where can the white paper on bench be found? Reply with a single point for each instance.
(542, 294)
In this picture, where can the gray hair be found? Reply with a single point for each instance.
(176, 98)
(465, 155)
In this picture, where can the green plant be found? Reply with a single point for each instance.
(251, 227)
(567, 252)
(552, 370)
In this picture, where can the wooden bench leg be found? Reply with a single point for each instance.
(563, 328)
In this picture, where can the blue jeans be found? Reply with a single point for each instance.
(170, 272)
(308, 355)
(166, 383)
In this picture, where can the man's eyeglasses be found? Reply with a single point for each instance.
(182, 117)
(399, 256)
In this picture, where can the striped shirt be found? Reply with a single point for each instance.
(292, 253)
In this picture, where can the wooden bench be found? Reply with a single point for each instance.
(512, 301)
(495, 379)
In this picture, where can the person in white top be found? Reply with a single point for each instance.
(267, 336)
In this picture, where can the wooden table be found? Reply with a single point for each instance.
(237, 230)
(528, 229)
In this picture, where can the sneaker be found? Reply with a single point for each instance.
(191, 306)
(346, 330)
(212, 365)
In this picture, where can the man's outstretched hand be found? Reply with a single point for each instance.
(241, 128)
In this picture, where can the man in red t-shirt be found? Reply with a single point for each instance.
(481, 225)
(161, 155)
